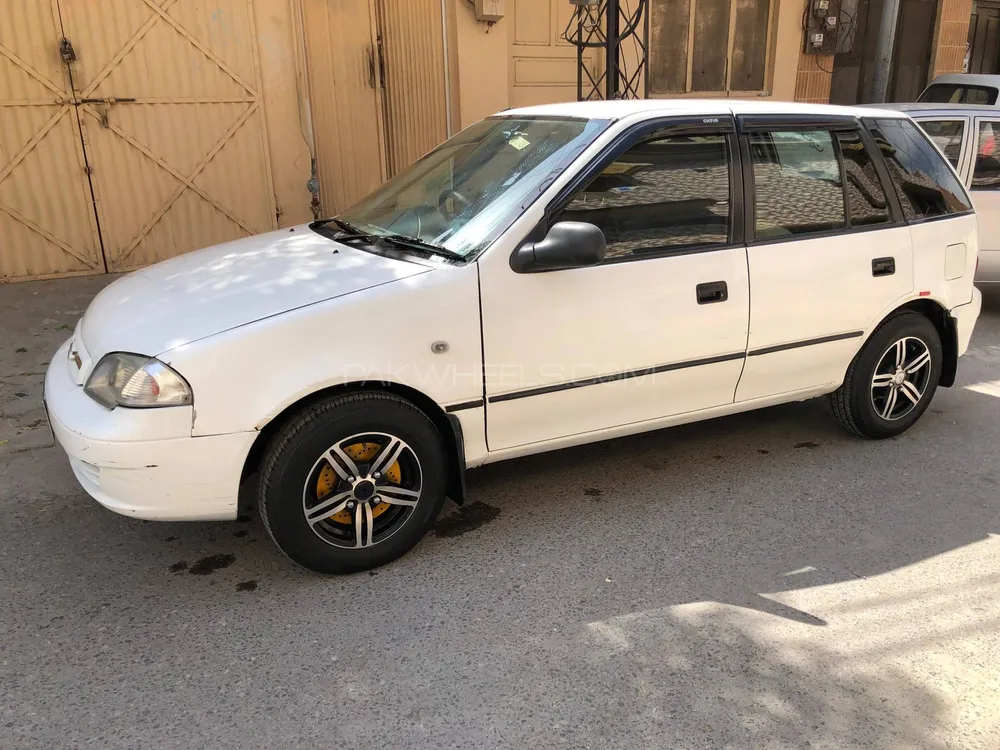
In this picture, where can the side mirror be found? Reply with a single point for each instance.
(569, 244)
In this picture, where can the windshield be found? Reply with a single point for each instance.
(954, 93)
(467, 191)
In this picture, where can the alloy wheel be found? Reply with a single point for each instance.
(900, 379)
(362, 490)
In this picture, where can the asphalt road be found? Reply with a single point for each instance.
(759, 581)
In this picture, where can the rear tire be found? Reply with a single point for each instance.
(892, 379)
(352, 482)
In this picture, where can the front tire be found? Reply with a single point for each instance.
(352, 482)
(892, 379)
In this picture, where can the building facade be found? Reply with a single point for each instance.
(135, 130)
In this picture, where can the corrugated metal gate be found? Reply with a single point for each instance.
(130, 131)
(47, 222)
(378, 88)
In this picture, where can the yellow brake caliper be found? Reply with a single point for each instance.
(358, 452)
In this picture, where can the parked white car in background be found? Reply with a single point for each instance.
(962, 88)
(968, 136)
(548, 277)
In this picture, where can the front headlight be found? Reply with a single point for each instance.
(136, 381)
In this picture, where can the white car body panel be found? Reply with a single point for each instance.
(245, 377)
(256, 325)
(604, 321)
(828, 282)
(647, 425)
(934, 242)
(226, 286)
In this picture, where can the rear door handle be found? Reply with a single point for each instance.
(883, 266)
(712, 291)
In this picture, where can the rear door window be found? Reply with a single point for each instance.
(866, 202)
(926, 187)
(798, 187)
(986, 172)
(947, 135)
(954, 93)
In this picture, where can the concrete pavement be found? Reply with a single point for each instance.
(759, 581)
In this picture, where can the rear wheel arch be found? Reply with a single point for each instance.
(945, 325)
(448, 426)
(866, 402)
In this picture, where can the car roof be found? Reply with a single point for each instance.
(969, 79)
(917, 109)
(619, 108)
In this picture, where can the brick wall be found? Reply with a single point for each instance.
(812, 82)
(953, 32)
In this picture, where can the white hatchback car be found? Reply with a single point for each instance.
(548, 277)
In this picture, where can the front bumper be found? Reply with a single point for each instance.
(143, 462)
(965, 317)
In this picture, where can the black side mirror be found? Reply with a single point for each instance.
(569, 244)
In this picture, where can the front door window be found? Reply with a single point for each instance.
(659, 196)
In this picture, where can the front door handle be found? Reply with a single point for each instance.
(712, 291)
(883, 266)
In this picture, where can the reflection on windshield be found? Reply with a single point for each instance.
(466, 192)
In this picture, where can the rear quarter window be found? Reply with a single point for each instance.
(954, 93)
(926, 185)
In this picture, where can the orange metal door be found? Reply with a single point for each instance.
(47, 224)
(170, 110)
(411, 35)
(344, 86)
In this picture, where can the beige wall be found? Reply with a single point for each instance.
(290, 158)
(787, 45)
(482, 55)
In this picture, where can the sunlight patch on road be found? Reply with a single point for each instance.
(800, 571)
(610, 634)
(987, 387)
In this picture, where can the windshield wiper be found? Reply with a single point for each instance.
(350, 232)
(350, 228)
(419, 244)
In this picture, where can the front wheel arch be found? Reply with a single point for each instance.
(448, 425)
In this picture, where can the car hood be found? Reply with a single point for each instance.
(199, 294)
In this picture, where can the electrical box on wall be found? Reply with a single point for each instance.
(821, 26)
(490, 11)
